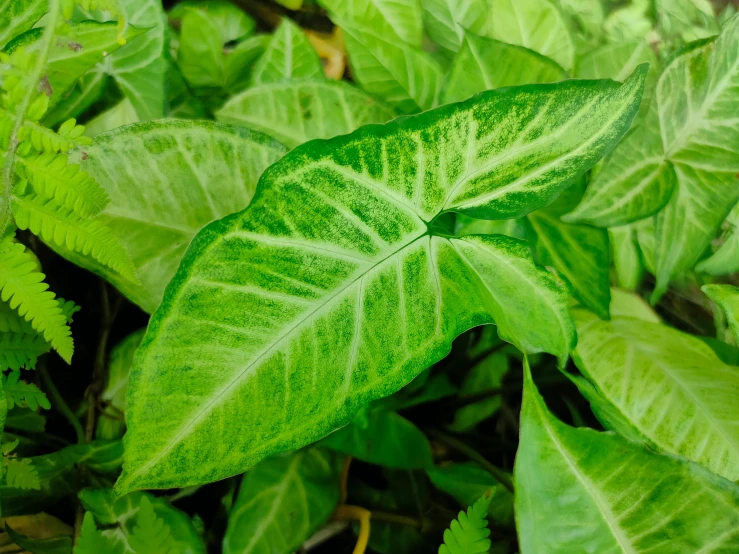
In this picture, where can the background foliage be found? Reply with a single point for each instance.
(593, 221)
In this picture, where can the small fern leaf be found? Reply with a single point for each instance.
(90, 541)
(22, 286)
(60, 226)
(44, 139)
(151, 535)
(22, 394)
(11, 321)
(68, 307)
(53, 177)
(20, 473)
(21, 350)
(469, 533)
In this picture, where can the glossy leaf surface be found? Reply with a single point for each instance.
(334, 257)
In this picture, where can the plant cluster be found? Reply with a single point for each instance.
(339, 269)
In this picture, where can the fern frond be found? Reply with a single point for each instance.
(151, 535)
(469, 533)
(22, 286)
(12, 322)
(44, 139)
(22, 394)
(21, 474)
(21, 350)
(52, 176)
(69, 308)
(90, 541)
(60, 226)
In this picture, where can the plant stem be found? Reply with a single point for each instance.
(501, 476)
(363, 516)
(57, 401)
(388, 517)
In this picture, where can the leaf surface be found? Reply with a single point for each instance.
(668, 386)
(299, 111)
(329, 291)
(447, 20)
(289, 55)
(583, 490)
(468, 534)
(18, 16)
(282, 502)
(196, 172)
(726, 297)
(385, 16)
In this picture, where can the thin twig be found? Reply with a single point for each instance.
(57, 401)
(347, 512)
(472, 454)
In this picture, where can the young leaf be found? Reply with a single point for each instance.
(90, 541)
(22, 286)
(620, 495)
(726, 297)
(387, 17)
(483, 64)
(20, 474)
(196, 172)
(383, 438)
(405, 77)
(18, 16)
(299, 111)
(150, 535)
(536, 24)
(627, 260)
(468, 534)
(282, 502)
(331, 282)
(657, 380)
(289, 55)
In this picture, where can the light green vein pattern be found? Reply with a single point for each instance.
(579, 490)
(727, 298)
(329, 291)
(17, 16)
(670, 387)
(282, 502)
(299, 111)
(385, 16)
(167, 180)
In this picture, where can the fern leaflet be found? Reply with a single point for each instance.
(53, 177)
(44, 139)
(469, 533)
(61, 226)
(90, 541)
(20, 473)
(22, 286)
(151, 534)
(22, 394)
(21, 350)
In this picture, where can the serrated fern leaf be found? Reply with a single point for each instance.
(90, 541)
(21, 350)
(69, 308)
(468, 534)
(61, 226)
(44, 139)
(20, 393)
(151, 535)
(11, 321)
(52, 176)
(22, 287)
(20, 473)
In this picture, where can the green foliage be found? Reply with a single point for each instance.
(468, 534)
(362, 228)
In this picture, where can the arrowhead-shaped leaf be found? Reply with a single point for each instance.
(332, 289)
(579, 490)
(668, 388)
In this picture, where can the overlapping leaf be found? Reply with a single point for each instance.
(329, 290)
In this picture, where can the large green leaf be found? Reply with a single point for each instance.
(331, 290)
(18, 16)
(140, 69)
(119, 517)
(483, 64)
(667, 387)
(405, 77)
(384, 438)
(282, 502)
(579, 490)
(195, 172)
(402, 19)
(536, 24)
(686, 157)
(289, 55)
(298, 111)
